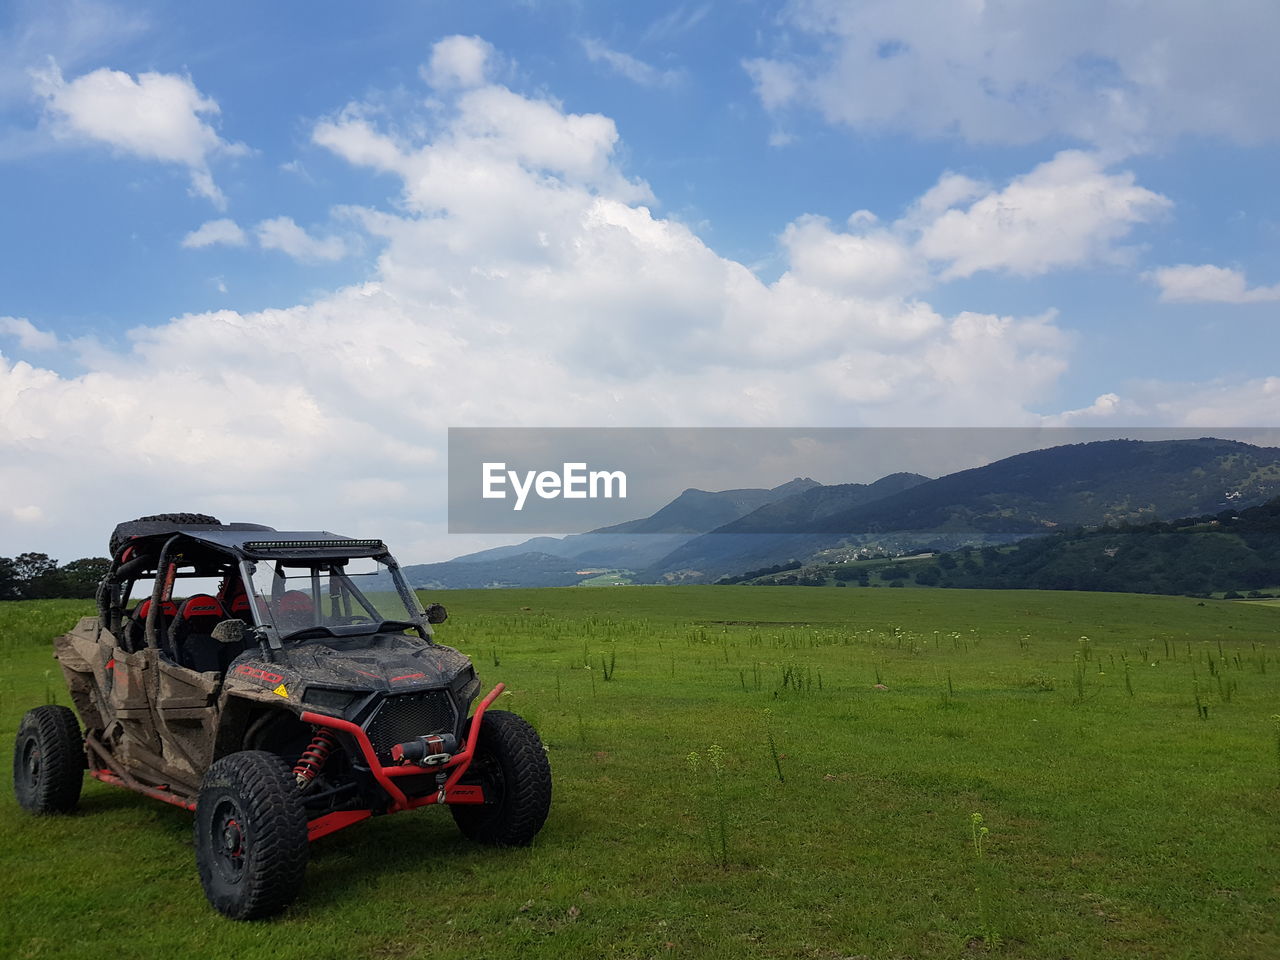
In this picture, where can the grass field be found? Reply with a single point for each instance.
(1122, 752)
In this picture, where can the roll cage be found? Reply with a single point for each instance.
(256, 566)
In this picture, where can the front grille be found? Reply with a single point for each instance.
(409, 715)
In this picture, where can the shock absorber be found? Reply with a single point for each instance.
(312, 760)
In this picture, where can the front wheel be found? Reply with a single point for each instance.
(511, 765)
(251, 835)
(48, 761)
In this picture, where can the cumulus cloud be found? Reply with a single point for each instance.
(1113, 74)
(1105, 407)
(281, 233)
(222, 232)
(1208, 405)
(28, 335)
(155, 116)
(866, 259)
(1206, 283)
(458, 61)
(1065, 212)
(624, 64)
(524, 279)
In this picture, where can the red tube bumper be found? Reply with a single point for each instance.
(450, 793)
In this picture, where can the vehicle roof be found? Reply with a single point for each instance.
(253, 540)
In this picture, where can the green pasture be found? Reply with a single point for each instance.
(1042, 775)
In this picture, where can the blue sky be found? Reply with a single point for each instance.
(256, 257)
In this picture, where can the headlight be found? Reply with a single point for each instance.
(335, 700)
(466, 685)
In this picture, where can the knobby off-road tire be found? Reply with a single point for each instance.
(117, 543)
(48, 761)
(251, 835)
(512, 766)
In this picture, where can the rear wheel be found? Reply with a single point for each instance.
(48, 761)
(251, 835)
(511, 765)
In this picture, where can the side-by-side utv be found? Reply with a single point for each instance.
(300, 692)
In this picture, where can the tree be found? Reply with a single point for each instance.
(929, 576)
(8, 579)
(37, 576)
(29, 566)
(80, 578)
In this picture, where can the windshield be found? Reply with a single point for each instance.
(341, 596)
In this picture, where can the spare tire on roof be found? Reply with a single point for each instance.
(118, 540)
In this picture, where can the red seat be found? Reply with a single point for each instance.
(240, 608)
(135, 631)
(190, 636)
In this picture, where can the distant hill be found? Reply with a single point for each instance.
(774, 532)
(1076, 485)
(697, 511)
(1232, 552)
(526, 570)
(1068, 486)
(551, 561)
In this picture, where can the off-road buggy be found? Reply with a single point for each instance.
(300, 693)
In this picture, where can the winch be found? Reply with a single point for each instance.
(427, 751)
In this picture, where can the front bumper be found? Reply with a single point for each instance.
(450, 792)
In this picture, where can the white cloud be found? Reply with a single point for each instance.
(1003, 71)
(1208, 405)
(458, 61)
(27, 514)
(281, 233)
(1105, 407)
(867, 260)
(777, 83)
(626, 65)
(1065, 212)
(1206, 283)
(155, 116)
(222, 232)
(523, 280)
(73, 32)
(29, 336)
(680, 20)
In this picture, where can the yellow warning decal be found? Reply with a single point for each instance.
(281, 691)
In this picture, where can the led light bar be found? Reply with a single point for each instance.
(309, 544)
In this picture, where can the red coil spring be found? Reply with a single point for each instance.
(312, 760)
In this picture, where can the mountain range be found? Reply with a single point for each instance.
(701, 536)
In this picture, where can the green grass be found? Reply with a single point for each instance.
(1120, 824)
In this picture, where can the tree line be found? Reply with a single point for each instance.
(1236, 553)
(1233, 552)
(37, 576)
